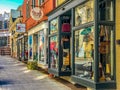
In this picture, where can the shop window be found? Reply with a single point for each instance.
(22, 49)
(84, 52)
(106, 10)
(30, 42)
(65, 47)
(26, 47)
(41, 47)
(35, 46)
(106, 62)
(28, 9)
(54, 26)
(54, 52)
(84, 13)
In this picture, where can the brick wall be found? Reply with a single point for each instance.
(118, 46)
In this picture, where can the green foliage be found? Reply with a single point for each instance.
(32, 65)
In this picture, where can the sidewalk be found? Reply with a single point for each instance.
(14, 75)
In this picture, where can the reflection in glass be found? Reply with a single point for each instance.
(106, 10)
(105, 53)
(41, 46)
(54, 52)
(84, 52)
(84, 13)
(65, 44)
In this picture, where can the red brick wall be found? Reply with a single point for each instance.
(47, 6)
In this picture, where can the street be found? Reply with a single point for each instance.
(14, 75)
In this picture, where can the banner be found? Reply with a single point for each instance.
(20, 27)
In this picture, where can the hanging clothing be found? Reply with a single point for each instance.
(65, 27)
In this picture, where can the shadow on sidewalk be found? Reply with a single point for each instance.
(1, 67)
(6, 82)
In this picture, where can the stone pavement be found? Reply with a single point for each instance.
(14, 75)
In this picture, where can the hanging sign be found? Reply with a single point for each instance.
(36, 13)
(20, 27)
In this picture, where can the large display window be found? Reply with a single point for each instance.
(84, 52)
(93, 38)
(59, 45)
(106, 62)
(54, 52)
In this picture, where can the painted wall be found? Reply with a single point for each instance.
(118, 46)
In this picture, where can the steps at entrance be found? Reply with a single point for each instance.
(5, 50)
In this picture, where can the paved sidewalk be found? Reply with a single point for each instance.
(14, 75)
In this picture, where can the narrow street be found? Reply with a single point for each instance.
(14, 75)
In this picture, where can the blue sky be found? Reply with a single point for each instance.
(6, 5)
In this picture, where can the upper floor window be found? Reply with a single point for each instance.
(28, 10)
(5, 24)
(33, 3)
(40, 2)
(1, 25)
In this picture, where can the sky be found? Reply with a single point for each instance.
(7, 5)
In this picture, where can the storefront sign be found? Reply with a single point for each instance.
(36, 13)
(20, 27)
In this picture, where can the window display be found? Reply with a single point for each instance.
(26, 47)
(22, 48)
(41, 46)
(84, 52)
(35, 48)
(65, 44)
(54, 52)
(54, 26)
(105, 53)
(84, 13)
(30, 46)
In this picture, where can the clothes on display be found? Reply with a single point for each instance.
(66, 27)
(54, 52)
(104, 50)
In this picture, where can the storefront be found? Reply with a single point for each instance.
(59, 45)
(22, 48)
(89, 35)
(37, 43)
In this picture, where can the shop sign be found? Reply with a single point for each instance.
(20, 27)
(36, 13)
